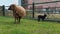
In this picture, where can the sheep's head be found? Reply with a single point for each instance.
(12, 7)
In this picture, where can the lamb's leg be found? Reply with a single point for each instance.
(38, 19)
(43, 19)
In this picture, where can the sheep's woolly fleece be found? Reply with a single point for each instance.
(20, 10)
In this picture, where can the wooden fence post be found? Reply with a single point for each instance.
(47, 10)
(3, 9)
(33, 9)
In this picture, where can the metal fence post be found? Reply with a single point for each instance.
(33, 9)
(47, 9)
(3, 9)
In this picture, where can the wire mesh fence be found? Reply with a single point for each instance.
(33, 10)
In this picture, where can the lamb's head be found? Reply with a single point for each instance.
(45, 15)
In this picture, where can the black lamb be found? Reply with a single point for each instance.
(41, 17)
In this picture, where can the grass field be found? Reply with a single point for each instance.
(28, 26)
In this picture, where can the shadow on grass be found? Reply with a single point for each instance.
(53, 21)
(46, 20)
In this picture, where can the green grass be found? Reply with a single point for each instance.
(28, 26)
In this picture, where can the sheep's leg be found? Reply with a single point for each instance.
(19, 19)
(15, 19)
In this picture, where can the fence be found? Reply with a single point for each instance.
(2, 10)
(52, 9)
(35, 9)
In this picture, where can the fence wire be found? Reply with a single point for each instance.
(35, 9)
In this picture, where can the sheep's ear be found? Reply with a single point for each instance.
(13, 5)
